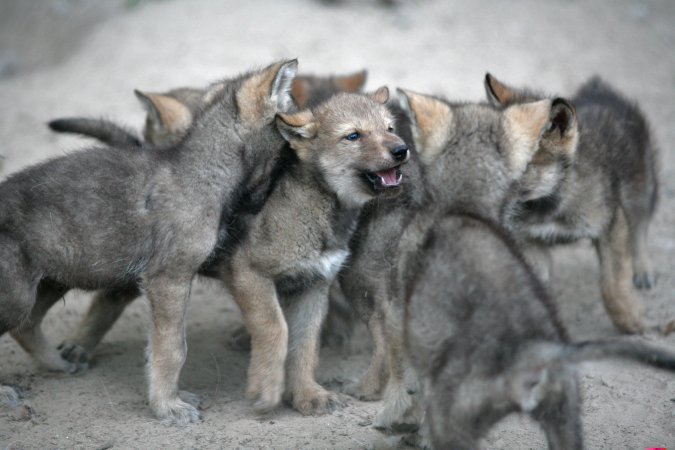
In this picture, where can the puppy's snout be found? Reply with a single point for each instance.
(400, 153)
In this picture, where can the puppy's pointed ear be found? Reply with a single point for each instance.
(431, 120)
(351, 83)
(165, 113)
(561, 135)
(381, 95)
(298, 129)
(267, 92)
(524, 125)
(498, 94)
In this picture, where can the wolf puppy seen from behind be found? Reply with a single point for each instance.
(118, 218)
(594, 176)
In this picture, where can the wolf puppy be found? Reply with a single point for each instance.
(170, 114)
(594, 176)
(288, 256)
(119, 218)
(485, 338)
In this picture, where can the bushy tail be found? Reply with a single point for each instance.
(621, 348)
(105, 131)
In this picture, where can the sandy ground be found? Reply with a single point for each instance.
(431, 46)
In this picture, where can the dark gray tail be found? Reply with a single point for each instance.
(620, 348)
(105, 131)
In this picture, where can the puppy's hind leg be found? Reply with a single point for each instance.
(369, 387)
(168, 349)
(29, 335)
(105, 309)
(621, 302)
(305, 314)
(638, 228)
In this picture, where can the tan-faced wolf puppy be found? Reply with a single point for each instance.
(485, 338)
(121, 218)
(170, 114)
(594, 177)
(471, 156)
(291, 251)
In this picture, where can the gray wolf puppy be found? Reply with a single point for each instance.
(594, 177)
(291, 251)
(485, 338)
(471, 155)
(170, 114)
(119, 218)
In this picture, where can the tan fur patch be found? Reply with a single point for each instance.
(253, 96)
(175, 116)
(523, 124)
(433, 119)
(503, 93)
(351, 83)
(299, 92)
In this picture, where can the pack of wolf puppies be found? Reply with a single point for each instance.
(431, 219)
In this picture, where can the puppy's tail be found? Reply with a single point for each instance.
(105, 131)
(620, 348)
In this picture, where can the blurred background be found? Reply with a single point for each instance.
(85, 57)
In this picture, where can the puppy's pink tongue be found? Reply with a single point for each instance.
(390, 177)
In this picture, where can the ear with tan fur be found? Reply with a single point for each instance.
(164, 112)
(431, 120)
(381, 95)
(498, 94)
(561, 134)
(267, 92)
(524, 125)
(298, 129)
(351, 83)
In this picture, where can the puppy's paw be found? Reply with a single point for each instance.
(177, 412)
(73, 352)
(363, 391)
(192, 399)
(645, 280)
(400, 413)
(266, 397)
(315, 400)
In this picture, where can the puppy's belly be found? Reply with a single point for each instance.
(310, 271)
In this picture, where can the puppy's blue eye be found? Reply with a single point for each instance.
(352, 137)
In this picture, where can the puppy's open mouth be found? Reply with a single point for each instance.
(383, 179)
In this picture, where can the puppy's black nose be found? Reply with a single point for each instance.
(400, 153)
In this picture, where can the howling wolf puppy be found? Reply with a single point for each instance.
(471, 155)
(120, 218)
(594, 176)
(485, 338)
(347, 154)
(170, 114)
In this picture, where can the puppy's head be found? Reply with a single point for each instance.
(350, 140)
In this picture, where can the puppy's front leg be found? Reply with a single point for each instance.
(168, 349)
(257, 298)
(305, 314)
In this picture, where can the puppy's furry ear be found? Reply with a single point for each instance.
(524, 124)
(560, 137)
(498, 94)
(165, 113)
(430, 119)
(267, 92)
(351, 83)
(381, 95)
(298, 129)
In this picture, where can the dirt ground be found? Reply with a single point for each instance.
(70, 57)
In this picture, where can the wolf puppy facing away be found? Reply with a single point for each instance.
(471, 155)
(484, 337)
(347, 155)
(170, 114)
(118, 218)
(594, 177)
